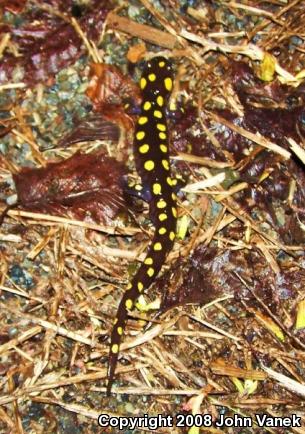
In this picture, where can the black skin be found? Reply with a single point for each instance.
(153, 166)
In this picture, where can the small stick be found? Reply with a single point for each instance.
(148, 33)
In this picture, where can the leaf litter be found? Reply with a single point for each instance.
(229, 335)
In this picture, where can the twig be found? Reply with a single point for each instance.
(147, 33)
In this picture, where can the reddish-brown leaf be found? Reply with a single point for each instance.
(13, 6)
(209, 273)
(49, 44)
(109, 90)
(85, 186)
(94, 127)
(109, 86)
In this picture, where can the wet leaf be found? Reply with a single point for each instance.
(13, 6)
(207, 274)
(111, 92)
(94, 127)
(49, 44)
(84, 186)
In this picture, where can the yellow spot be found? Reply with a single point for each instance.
(148, 261)
(172, 236)
(160, 100)
(157, 246)
(138, 187)
(143, 83)
(161, 63)
(163, 148)
(169, 181)
(144, 148)
(129, 286)
(162, 231)
(115, 321)
(174, 197)
(128, 303)
(149, 165)
(165, 164)
(157, 188)
(157, 114)
(147, 105)
(140, 135)
(168, 83)
(140, 286)
(174, 182)
(174, 211)
(150, 271)
(152, 77)
(161, 127)
(120, 331)
(162, 217)
(161, 203)
(162, 136)
(142, 120)
(115, 349)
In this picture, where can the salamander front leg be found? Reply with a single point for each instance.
(138, 191)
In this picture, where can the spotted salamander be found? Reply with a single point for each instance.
(152, 163)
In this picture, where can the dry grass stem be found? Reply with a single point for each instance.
(222, 325)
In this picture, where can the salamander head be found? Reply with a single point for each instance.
(157, 78)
